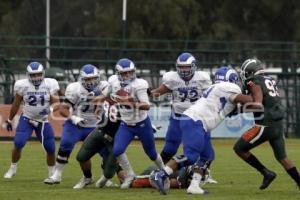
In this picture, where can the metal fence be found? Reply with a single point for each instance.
(152, 58)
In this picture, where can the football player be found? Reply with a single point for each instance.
(81, 120)
(186, 86)
(36, 94)
(216, 102)
(131, 94)
(268, 123)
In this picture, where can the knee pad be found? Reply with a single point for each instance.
(63, 156)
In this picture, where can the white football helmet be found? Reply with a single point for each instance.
(183, 61)
(89, 77)
(35, 73)
(122, 66)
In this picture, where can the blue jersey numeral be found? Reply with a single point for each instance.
(33, 100)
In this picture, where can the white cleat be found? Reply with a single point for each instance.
(109, 183)
(101, 182)
(194, 188)
(83, 182)
(127, 182)
(10, 173)
(211, 180)
(52, 180)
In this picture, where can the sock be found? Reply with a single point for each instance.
(196, 178)
(59, 167)
(168, 170)
(87, 173)
(255, 163)
(159, 162)
(125, 164)
(51, 170)
(294, 174)
(13, 165)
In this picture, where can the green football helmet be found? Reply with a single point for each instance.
(250, 68)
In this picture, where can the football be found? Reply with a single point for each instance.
(122, 93)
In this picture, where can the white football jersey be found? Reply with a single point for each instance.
(36, 100)
(81, 100)
(215, 104)
(185, 94)
(130, 115)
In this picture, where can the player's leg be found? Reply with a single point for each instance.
(23, 133)
(45, 134)
(88, 149)
(278, 145)
(193, 139)
(208, 155)
(145, 134)
(122, 139)
(172, 140)
(249, 140)
(70, 136)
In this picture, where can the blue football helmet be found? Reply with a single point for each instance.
(122, 66)
(89, 77)
(226, 74)
(35, 73)
(186, 60)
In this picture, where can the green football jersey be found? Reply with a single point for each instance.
(273, 110)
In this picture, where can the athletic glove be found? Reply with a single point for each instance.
(8, 125)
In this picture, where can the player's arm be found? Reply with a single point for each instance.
(257, 94)
(54, 101)
(15, 106)
(162, 89)
(64, 108)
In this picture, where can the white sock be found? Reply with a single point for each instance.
(51, 170)
(159, 162)
(168, 170)
(125, 164)
(59, 168)
(13, 165)
(197, 177)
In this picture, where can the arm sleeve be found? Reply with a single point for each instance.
(70, 94)
(143, 96)
(141, 92)
(18, 89)
(54, 87)
(166, 81)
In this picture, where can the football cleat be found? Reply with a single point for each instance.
(10, 173)
(208, 178)
(101, 182)
(269, 177)
(194, 188)
(52, 180)
(159, 177)
(127, 182)
(83, 182)
(109, 183)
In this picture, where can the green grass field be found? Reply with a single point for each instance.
(236, 179)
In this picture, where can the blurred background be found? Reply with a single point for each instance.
(65, 34)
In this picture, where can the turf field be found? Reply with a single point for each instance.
(236, 179)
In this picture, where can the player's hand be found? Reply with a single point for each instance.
(8, 124)
(34, 123)
(77, 120)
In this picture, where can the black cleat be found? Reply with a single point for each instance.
(269, 177)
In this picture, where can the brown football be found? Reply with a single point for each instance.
(122, 93)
